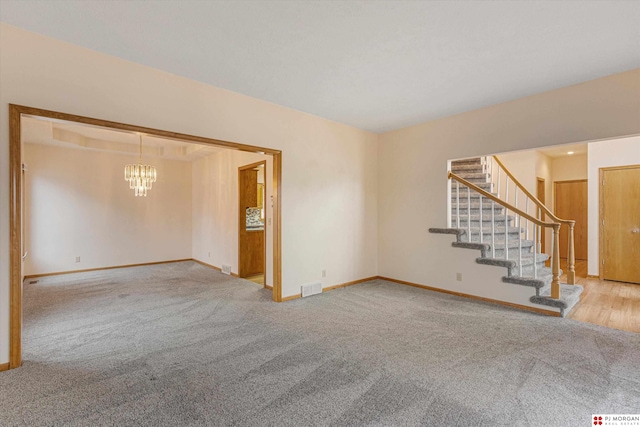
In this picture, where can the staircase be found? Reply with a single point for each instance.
(506, 234)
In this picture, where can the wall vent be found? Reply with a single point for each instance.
(311, 289)
(226, 269)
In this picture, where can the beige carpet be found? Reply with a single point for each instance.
(183, 345)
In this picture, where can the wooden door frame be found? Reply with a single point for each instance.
(15, 198)
(601, 172)
(241, 217)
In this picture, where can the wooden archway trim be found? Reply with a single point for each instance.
(15, 215)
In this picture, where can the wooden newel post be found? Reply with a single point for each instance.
(555, 263)
(571, 257)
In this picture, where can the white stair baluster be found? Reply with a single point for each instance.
(506, 189)
(519, 221)
(457, 204)
(493, 230)
(506, 234)
(520, 249)
(481, 239)
(491, 168)
(535, 269)
(526, 221)
(469, 213)
(540, 231)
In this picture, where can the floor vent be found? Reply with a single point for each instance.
(311, 289)
(226, 269)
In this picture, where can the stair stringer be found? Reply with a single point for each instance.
(485, 281)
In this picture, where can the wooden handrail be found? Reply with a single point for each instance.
(531, 196)
(502, 202)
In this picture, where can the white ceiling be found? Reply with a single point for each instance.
(42, 131)
(376, 65)
(564, 150)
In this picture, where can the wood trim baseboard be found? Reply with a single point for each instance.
(344, 285)
(593, 276)
(268, 287)
(474, 297)
(331, 288)
(4, 367)
(291, 297)
(57, 273)
(211, 266)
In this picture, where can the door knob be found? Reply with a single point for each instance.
(635, 230)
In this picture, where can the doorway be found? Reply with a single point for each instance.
(571, 202)
(252, 222)
(16, 187)
(620, 224)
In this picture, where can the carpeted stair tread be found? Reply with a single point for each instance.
(486, 217)
(435, 230)
(513, 244)
(464, 207)
(473, 196)
(538, 283)
(470, 161)
(468, 168)
(473, 175)
(486, 229)
(478, 180)
(463, 189)
(569, 297)
(513, 263)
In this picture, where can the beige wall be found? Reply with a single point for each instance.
(604, 154)
(569, 168)
(215, 208)
(413, 175)
(78, 204)
(329, 188)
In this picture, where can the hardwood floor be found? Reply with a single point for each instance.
(259, 279)
(603, 302)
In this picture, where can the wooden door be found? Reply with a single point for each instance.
(571, 203)
(620, 224)
(251, 242)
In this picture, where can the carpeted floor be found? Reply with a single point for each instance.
(183, 345)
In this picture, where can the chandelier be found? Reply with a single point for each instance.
(141, 177)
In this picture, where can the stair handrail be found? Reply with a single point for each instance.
(555, 260)
(531, 196)
(571, 261)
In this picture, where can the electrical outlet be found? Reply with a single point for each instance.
(324, 273)
(209, 254)
(77, 259)
(459, 277)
